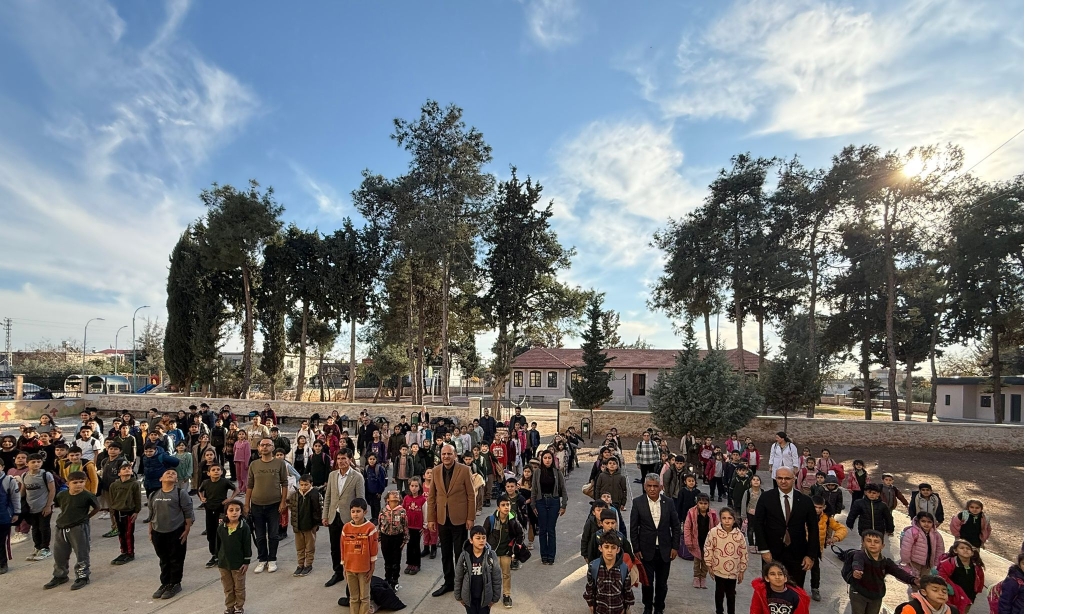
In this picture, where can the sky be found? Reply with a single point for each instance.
(114, 116)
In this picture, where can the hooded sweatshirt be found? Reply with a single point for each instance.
(920, 605)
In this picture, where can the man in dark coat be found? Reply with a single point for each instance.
(488, 425)
(656, 543)
(786, 527)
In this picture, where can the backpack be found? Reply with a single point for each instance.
(845, 557)
(596, 565)
(995, 592)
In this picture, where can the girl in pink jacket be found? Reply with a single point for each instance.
(725, 554)
(921, 546)
(698, 523)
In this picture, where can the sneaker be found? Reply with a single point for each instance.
(270, 566)
(172, 590)
(80, 583)
(119, 560)
(34, 555)
(507, 602)
(111, 533)
(158, 594)
(238, 610)
(696, 582)
(19, 538)
(260, 567)
(397, 587)
(212, 562)
(815, 594)
(515, 565)
(298, 572)
(55, 582)
(3, 569)
(43, 554)
(306, 570)
(431, 555)
(101, 516)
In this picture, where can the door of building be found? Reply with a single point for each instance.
(1016, 408)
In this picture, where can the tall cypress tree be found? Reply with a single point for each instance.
(590, 385)
(183, 281)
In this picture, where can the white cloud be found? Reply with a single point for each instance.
(553, 23)
(910, 73)
(97, 180)
(330, 204)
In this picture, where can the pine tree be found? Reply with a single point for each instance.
(183, 280)
(590, 382)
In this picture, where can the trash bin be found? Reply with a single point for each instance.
(584, 428)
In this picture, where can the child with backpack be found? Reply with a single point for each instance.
(608, 589)
(698, 523)
(865, 571)
(971, 524)
(1007, 597)
(747, 504)
(921, 545)
(930, 599)
(963, 570)
(741, 481)
(857, 479)
(890, 493)
(477, 560)
(774, 593)
(829, 532)
(504, 534)
(926, 500)
(807, 475)
(872, 512)
(833, 494)
(10, 506)
(726, 557)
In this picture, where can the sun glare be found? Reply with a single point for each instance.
(913, 167)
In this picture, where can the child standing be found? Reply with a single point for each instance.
(921, 545)
(525, 490)
(242, 461)
(415, 504)
(857, 479)
(726, 557)
(374, 479)
(73, 532)
(393, 528)
(608, 589)
(890, 493)
(234, 549)
(773, 593)
(10, 506)
(431, 536)
(752, 457)
(931, 599)
(687, 495)
(185, 465)
(125, 506)
(213, 492)
(503, 533)
(39, 490)
(698, 523)
(963, 569)
(478, 581)
(748, 506)
(833, 495)
(359, 553)
(873, 514)
(926, 500)
(971, 524)
(739, 483)
(829, 532)
(807, 476)
(306, 516)
(867, 582)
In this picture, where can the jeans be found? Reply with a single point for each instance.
(335, 527)
(171, 553)
(78, 539)
(40, 529)
(548, 511)
(266, 526)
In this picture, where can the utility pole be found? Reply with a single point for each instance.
(7, 344)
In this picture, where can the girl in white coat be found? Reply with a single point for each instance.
(783, 454)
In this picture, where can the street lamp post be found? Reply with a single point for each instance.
(115, 346)
(134, 345)
(83, 362)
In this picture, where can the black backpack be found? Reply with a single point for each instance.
(845, 557)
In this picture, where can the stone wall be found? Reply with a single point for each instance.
(11, 411)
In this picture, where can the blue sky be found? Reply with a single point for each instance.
(113, 116)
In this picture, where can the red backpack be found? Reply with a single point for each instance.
(995, 592)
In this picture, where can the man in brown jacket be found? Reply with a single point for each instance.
(452, 505)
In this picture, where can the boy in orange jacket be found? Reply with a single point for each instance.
(359, 551)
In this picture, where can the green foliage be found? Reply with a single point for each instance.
(702, 395)
(590, 382)
(793, 381)
(184, 283)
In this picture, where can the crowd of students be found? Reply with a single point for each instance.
(253, 484)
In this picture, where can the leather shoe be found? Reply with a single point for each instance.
(442, 590)
(343, 602)
(333, 580)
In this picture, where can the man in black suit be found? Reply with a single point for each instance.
(786, 527)
(656, 537)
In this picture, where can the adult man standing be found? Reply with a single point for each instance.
(451, 508)
(656, 537)
(488, 424)
(266, 498)
(516, 420)
(366, 433)
(647, 455)
(786, 527)
(343, 486)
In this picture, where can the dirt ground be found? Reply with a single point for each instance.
(996, 479)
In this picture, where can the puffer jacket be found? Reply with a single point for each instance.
(306, 510)
(616, 484)
(1011, 597)
(493, 579)
(914, 546)
(759, 605)
(827, 523)
(872, 515)
(690, 531)
(959, 599)
(725, 552)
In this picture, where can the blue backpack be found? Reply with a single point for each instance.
(595, 567)
(5, 501)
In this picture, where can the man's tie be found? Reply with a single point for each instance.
(786, 519)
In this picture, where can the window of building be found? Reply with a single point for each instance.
(639, 384)
(552, 379)
(947, 400)
(517, 379)
(985, 400)
(291, 363)
(575, 377)
(535, 379)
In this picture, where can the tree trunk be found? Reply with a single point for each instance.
(997, 373)
(418, 384)
(738, 322)
(931, 357)
(321, 376)
(400, 388)
(864, 367)
(302, 352)
(812, 316)
(378, 391)
(708, 328)
(909, 364)
(891, 300)
(445, 334)
(247, 335)
(352, 365)
(760, 344)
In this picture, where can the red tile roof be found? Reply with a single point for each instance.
(569, 358)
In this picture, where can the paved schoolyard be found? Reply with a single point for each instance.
(536, 588)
